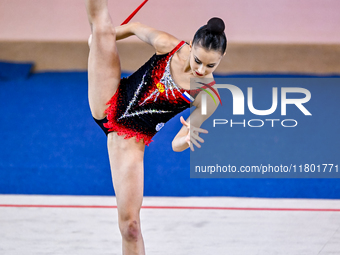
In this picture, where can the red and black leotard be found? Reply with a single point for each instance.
(146, 100)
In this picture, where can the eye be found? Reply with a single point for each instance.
(197, 61)
(211, 66)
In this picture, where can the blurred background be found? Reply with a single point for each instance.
(49, 142)
(263, 35)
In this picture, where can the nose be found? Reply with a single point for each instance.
(201, 69)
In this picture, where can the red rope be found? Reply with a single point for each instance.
(179, 207)
(134, 13)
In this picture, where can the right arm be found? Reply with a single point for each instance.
(161, 41)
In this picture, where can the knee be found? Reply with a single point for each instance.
(130, 229)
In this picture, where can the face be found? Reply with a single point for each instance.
(202, 61)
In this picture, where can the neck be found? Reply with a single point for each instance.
(186, 67)
(186, 61)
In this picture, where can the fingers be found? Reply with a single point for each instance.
(191, 146)
(193, 141)
(197, 137)
(193, 134)
(201, 130)
(192, 138)
(187, 139)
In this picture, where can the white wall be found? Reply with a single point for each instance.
(314, 21)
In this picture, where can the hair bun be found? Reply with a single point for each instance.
(216, 26)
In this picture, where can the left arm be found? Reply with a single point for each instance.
(189, 133)
(160, 40)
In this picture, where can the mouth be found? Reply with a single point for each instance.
(198, 74)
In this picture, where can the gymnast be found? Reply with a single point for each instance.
(132, 110)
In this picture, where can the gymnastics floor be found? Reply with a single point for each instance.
(32, 224)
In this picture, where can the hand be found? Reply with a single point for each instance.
(193, 134)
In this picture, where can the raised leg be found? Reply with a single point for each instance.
(104, 69)
(126, 160)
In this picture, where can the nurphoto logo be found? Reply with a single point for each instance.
(239, 104)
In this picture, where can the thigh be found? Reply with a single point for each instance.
(126, 160)
(104, 69)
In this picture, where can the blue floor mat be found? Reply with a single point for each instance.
(51, 145)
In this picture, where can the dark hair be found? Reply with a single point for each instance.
(211, 36)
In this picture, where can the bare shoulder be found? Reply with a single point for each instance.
(165, 43)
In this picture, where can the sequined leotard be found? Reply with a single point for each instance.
(146, 100)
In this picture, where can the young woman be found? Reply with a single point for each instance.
(140, 104)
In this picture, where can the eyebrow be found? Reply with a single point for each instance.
(201, 61)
